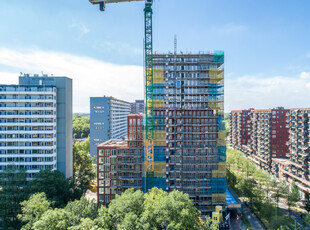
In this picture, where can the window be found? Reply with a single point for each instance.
(107, 152)
(100, 152)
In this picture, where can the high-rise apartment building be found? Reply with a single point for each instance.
(120, 162)
(190, 150)
(137, 107)
(296, 167)
(269, 135)
(36, 124)
(239, 132)
(108, 120)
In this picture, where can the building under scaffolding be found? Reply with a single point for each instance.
(189, 138)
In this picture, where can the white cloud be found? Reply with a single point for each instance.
(91, 77)
(258, 92)
(82, 28)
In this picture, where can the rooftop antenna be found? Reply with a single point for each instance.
(175, 44)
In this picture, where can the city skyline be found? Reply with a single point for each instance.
(73, 38)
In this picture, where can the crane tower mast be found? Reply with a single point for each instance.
(149, 109)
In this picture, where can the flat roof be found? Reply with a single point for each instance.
(114, 142)
(231, 201)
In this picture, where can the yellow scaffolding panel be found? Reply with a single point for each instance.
(157, 103)
(159, 168)
(217, 105)
(158, 76)
(216, 76)
(218, 197)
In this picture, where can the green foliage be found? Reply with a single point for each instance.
(52, 219)
(306, 202)
(131, 211)
(12, 193)
(80, 209)
(53, 184)
(84, 172)
(292, 196)
(33, 209)
(80, 126)
(256, 185)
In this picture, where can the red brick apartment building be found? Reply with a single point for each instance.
(266, 136)
(119, 164)
(239, 128)
(296, 167)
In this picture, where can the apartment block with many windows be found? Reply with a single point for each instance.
(195, 148)
(108, 120)
(269, 135)
(119, 164)
(239, 136)
(36, 124)
(296, 167)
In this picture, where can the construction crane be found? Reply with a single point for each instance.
(149, 110)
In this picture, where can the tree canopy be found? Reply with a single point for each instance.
(84, 171)
(12, 193)
(133, 210)
(80, 126)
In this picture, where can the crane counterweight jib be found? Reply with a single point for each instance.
(114, 1)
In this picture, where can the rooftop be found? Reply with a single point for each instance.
(114, 142)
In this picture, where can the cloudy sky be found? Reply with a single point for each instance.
(266, 44)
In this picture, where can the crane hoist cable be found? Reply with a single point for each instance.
(149, 85)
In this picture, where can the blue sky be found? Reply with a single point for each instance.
(266, 44)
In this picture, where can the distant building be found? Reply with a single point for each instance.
(36, 124)
(295, 168)
(260, 133)
(269, 135)
(108, 120)
(239, 132)
(120, 162)
(137, 107)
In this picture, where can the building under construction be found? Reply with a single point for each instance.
(190, 148)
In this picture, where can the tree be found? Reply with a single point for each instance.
(306, 202)
(132, 210)
(33, 209)
(53, 184)
(292, 197)
(52, 219)
(80, 126)
(80, 209)
(154, 210)
(12, 193)
(84, 172)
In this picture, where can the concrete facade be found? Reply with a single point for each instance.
(39, 114)
(108, 120)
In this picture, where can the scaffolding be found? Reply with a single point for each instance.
(195, 149)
